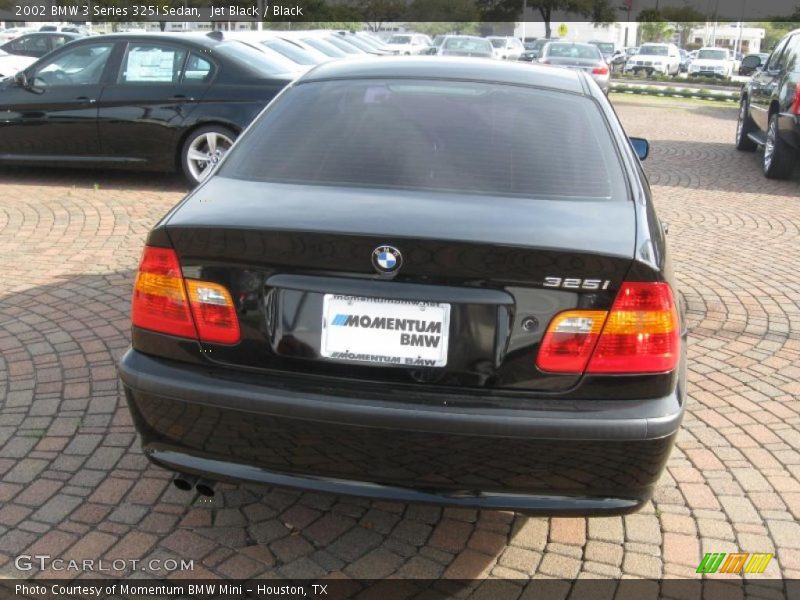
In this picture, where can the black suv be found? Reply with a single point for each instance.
(769, 113)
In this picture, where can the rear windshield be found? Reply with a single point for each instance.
(400, 39)
(254, 60)
(712, 54)
(467, 45)
(324, 47)
(343, 45)
(608, 48)
(653, 50)
(572, 51)
(292, 52)
(498, 42)
(433, 135)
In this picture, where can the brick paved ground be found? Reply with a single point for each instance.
(74, 483)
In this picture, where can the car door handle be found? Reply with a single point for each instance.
(183, 98)
(86, 99)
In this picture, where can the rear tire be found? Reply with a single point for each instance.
(203, 149)
(744, 126)
(778, 156)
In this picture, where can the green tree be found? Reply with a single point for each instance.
(434, 28)
(653, 27)
(596, 11)
(446, 12)
(683, 19)
(376, 12)
(776, 29)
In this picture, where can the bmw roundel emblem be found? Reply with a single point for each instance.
(387, 259)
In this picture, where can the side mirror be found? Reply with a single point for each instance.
(751, 62)
(21, 79)
(641, 146)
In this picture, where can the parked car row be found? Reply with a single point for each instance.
(667, 59)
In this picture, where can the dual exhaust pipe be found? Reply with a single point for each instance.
(185, 483)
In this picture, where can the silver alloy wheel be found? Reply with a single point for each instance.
(205, 151)
(769, 146)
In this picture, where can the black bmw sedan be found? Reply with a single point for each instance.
(459, 293)
(156, 102)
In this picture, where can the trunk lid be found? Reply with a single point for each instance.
(503, 267)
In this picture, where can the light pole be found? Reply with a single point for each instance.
(524, 22)
(741, 24)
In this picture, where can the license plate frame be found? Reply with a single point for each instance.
(371, 331)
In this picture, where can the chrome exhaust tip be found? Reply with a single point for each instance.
(184, 482)
(205, 488)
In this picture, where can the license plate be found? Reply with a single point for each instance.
(384, 331)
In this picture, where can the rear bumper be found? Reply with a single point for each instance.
(568, 457)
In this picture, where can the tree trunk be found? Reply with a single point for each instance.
(545, 12)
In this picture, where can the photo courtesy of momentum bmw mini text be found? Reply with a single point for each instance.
(399, 298)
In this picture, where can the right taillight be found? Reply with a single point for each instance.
(795, 109)
(640, 334)
(600, 71)
(214, 312)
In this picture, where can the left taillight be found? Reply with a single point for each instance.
(166, 303)
(569, 341)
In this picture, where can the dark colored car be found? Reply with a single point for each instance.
(684, 60)
(752, 62)
(448, 312)
(769, 109)
(533, 50)
(39, 44)
(156, 102)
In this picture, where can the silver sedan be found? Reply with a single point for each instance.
(583, 57)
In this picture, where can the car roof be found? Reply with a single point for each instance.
(195, 38)
(569, 43)
(50, 33)
(447, 68)
(466, 37)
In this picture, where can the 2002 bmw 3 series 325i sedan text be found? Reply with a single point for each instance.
(417, 279)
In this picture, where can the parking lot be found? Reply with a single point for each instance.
(74, 483)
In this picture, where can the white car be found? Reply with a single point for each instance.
(11, 64)
(663, 59)
(714, 62)
(506, 48)
(408, 43)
